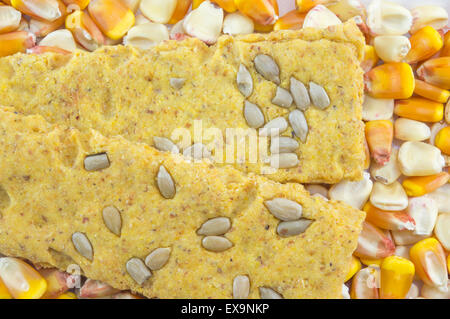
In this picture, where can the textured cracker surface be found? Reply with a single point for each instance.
(46, 195)
(124, 91)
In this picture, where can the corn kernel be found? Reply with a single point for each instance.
(56, 282)
(406, 237)
(38, 49)
(365, 283)
(436, 71)
(292, 20)
(96, 289)
(366, 155)
(41, 28)
(429, 292)
(421, 185)
(419, 109)
(237, 23)
(180, 11)
(147, 35)
(261, 11)
(355, 266)
(379, 136)
(158, 11)
(22, 281)
(394, 80)
(13, 42)
(442, 140)
(80, 4)
(391, 220)
(387, 173)
(112, 17)
(373, 243)
(9, 19)
(263, 28)
(204, 23)
(347, 9)
(391, 48)
(354, 193)
(446, 49)
(228, 5)
(67, 295)
(4, 293)
(62, 39)
(390, 197)
(413, 292)
(84, 30)
(441, 230)
(306, 5)
(429, 259)
(428, 15)
(411, 130)
(196, 3)
(388, 18)
(370, 262)
(435, 128)
(431, 92)
(424, 44)
(370, 58)
(419, 159)
(396, 277)
(320, 17)
(48, 10)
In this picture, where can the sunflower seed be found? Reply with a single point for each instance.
(157, 258)
(253, 115)
(215, 226)
(318, 95)
(283, 145)
(293, 228)
(269, 293)
(216, 243)
(83, 245)
(284, 209)
(165, 145)
(284, 160)
(241, 287)
(282, 98)
(112, 219)
(300, 94)
(165, 183)
(299, 125)
(96, 162)
(197, 151)
(244, 81)
(274, 128)
(137, 270)
(177, 83)
(267, 67)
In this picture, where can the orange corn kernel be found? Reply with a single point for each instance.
(396, 277)
(56, 282)
(370, 58)
(84, 30)
(4, 293)
(112, 17)
(263, 28)
(373, 243)
(227, 5)
(431, 92)
(96, 289)
(81, 4)
(292, 20)
(421, 185)
(436, 71)
(306, 5)
(67, 295)
(429, 259)
(22, 281)
(442, 140)
(419, 109)
(196, 3)
(424, 44)
(379, 136)
(180, 11)
(390, 220)
(261, 11)
(394, 80)
(39, 49)
(14, 42)
(48, 10)
(446, 49)
(365, 283)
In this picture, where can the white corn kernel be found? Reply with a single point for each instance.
(413, 292)
(320, 17)
(140, 19)
(434, 16)
(158, 11)
(420, 159)
(314, 189)
(402, 251)
(385, 17)
(442, 230)
(406, 237)
(177, 31)
(237, 23)
(132, 4)
(353, 193)
(431, 292)
(411, 130)
(9, 19)
(387, 173)
(347, 9)
(442, 198)
(389, 197)
(62, 39)
(435, 128)
(205, 22)
(424, 211)
(147, 35)
(391, 48)
(377, 109)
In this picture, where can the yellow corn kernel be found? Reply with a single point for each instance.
(67, 295)
(373, 243)
(261, 11)
(4, 293)
(365, 283)
(40, 49)
(112, 17)
(84, 30)
(196, 3)
(21, 280)
(393, 80)
(429, 259)
(424, 44)
(292, 20)
(370, 58)
(48, 10)
(390, 220)
(355, 266)
(180, 11)
(56, 282)
(431, 92)
(442, 140)
(436, 71)
(419, 109)
(446, 49)
(421, 185)
(396, 277)
(18, 41)
(379, 136)
(306, 5)
(81, 4)
(370, 262)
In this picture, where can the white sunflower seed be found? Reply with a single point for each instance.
(241, 287)
(112, 219)
(300, 94)
(293, 228)
(282, 98)
(269, 293)
(197, 151)
(83, 245)
(215, 226)
(165, 145)
(244, 81)
(274, 128)
(267, 67)
(137, 270)
(157, 258)
(299, 125)
(284, 209)
(96, 162)
(283, 144)
(318, 95)
(216, 243)
(284, 160)
(253, 115)
(165, 183)
(177, 83)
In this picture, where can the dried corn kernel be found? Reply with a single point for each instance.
(48, 10)
(424, 210)
(370, 262)
(292, 20)
(424, 44)
(391, 220)
(205, 22)
(396, 277)
(4, 293)
(158, 11)
(373, 243)
(441, 230)
(147, 35)
(429, 259)
(41, 28)
(387, 173)
(355, 266)
(436, 71)
(112, 17)
(390, 197)
(261, 11)
(62, 39)
(22, 281)
(347, 9)
(388, 18)
(84, 30)
(353, 193)
(18, 41)
(442, 140)
(419, 109)
(56, 282)
(446, 49)
(96, 289)
(411, 130)
(391, 48)
(67, 295)
(421, 185)
(196, 3)
(420, 159)
(133, 5)
(428, 15)
(406, 237)
(180, 11)
(430, 292)
(379, 136)
(227, 5)
(80, 4)
(394, 80)
(431, 92)
(306, 5)
(365, 283)
(43, 49)
(9, 19)
(370, 58)
(237, 23)
(320, 17)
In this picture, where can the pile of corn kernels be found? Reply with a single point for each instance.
(403, 250)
